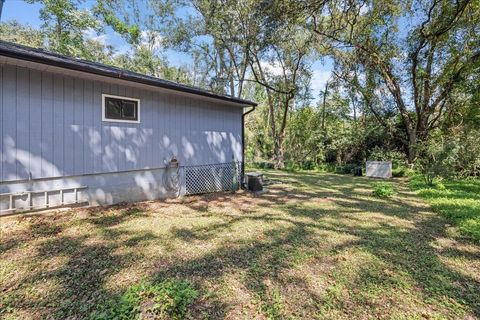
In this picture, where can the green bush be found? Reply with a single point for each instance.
(345, 169)
(167, 300)
(325, 167)
(383, 190)
(263, 165)
(341, 169)
(402, 172)
(398, 172)
(308, 165)
(293, 166)
(436, 160)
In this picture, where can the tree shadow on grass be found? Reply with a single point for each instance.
(300, 236)
(406, 251)
(258, 260)
(69, 270)
(399, 250)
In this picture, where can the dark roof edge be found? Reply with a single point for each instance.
(21, 52)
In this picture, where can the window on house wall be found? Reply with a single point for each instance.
(120, 109)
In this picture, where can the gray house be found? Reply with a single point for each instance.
(75, 131)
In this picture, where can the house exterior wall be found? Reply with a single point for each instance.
(51, 128)
(102, 189)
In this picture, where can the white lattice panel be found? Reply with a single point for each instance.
(212, 178)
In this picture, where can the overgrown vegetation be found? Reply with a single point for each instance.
(167, 300)
(458, 201)
(404, 86)
(383, 190)
(317, 245)
(403, 80)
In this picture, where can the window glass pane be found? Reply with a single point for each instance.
(129, 110)
(113, 108)
(121, 109)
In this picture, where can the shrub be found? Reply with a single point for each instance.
(440, 186)
(291, 166)
(402, 172)
(167, 300)
(263, 165)
(449, 156)
(267, 165)
(308, 165)
(383, 190)
(398, 172)
(435, 161)
(345, 169)
(325, 167)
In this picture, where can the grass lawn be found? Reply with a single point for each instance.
(315, 246)
(458, 201)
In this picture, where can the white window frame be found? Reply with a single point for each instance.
(105, 119)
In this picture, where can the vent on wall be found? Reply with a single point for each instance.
(212, 178)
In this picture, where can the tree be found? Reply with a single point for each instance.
(64, 25)
(143, 59)
(234, 44)
(418, 51)
(106, 12)
(279, 63)
(13, 31)
(217, 34)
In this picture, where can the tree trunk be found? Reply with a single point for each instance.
(324, 105)
(354, 109)
(411, 147)
(277, 145)
(279, 159)
(278, 154)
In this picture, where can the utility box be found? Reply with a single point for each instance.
(254, 181)
(379, 169)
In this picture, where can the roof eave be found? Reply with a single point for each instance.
(39, 56)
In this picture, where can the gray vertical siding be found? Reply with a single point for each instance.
(51, 125)
(9, 98)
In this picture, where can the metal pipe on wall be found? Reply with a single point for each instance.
(243, 143)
